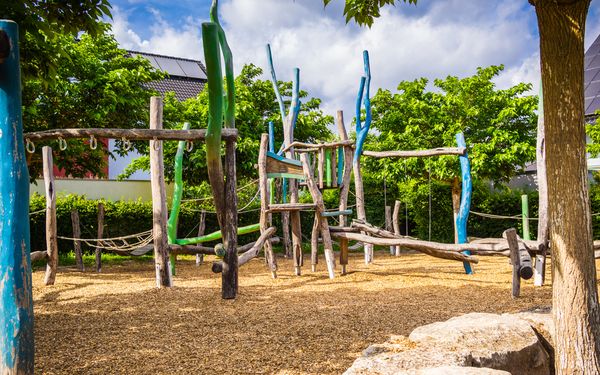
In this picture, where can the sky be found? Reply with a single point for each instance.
(434, 39)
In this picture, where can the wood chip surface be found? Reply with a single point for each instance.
(117, 322)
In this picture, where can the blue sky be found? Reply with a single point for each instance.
(434, 39)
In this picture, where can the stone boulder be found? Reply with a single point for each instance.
(475, 343)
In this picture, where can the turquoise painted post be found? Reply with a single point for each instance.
(272, 149)
(362, 129)
(16, 304)
(465, 198)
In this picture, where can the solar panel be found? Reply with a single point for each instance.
(150, 59)
(593, 107)
(191, 69)
(170, 66)
(590, 74)
(592, 89)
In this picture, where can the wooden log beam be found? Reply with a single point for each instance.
(129, 134)
(316, 146)
(39, 255)
(217, 267)
(265, 215)
(345, 187)
(51, 239)
(201, 229)
(438, 250)
(417, 153)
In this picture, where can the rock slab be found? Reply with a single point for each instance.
(475, 343)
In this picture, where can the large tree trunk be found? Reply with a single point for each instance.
(455, 205)
(575, 296)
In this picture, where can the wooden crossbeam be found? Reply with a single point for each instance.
(129, 134)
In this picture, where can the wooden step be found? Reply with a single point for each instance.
(291, 207)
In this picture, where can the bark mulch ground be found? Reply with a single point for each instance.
(117, 322)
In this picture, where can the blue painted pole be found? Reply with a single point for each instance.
(16, 304)
(465, 198)
(340, 166)
(363, 97)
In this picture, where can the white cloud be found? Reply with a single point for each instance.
(433, 40)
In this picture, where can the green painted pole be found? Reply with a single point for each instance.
(525, 210)
(177, 194)
(328, 167)
(216, 235)
(16, 304)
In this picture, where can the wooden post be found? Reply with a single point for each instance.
(100, 235)
(16, 313)
(389, 226)
(511, 238)
(77, 243)
(287, 239)
(201, 229)
(396, 224)
(360, 206)
(314, 244)
(159, 199)
(320, 208)
(321, 168)
(51, 240)
(334, 172)
(229, 276)
(543, 234)
(265, 216)
(345, 187)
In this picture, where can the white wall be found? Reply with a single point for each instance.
(102, 189)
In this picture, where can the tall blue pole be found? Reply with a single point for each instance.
(16, 304)
(465, 198)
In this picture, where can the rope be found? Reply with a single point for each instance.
(140, 240)
(37, 212)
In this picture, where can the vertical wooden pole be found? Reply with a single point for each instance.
(321, 168)
(77, 243)
(201, 229)
(360, 206)
(16, 310)
(465, 199)
(159, 198)
(100, 235)
(396, 224)
(51, 240)
(265, 216)
(287, 239)
(314, 243)
(543, 235)
(345, 187)
(229, 276)
(525, 211)
(513, 245)
(388, 225)
(334, 172)
(320, 208)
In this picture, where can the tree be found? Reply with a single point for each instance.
(256, 105)
(98, 86)
(43, 22)
(499, 127)
(575, 310)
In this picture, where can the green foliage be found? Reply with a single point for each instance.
(98, 86)
(125, 218)
(499, 127)
(42, 23)
(363, 12)
(256, 105)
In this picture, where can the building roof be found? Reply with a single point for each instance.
(186, 76)
(591, 78)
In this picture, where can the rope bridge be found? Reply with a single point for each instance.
(122, 244)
